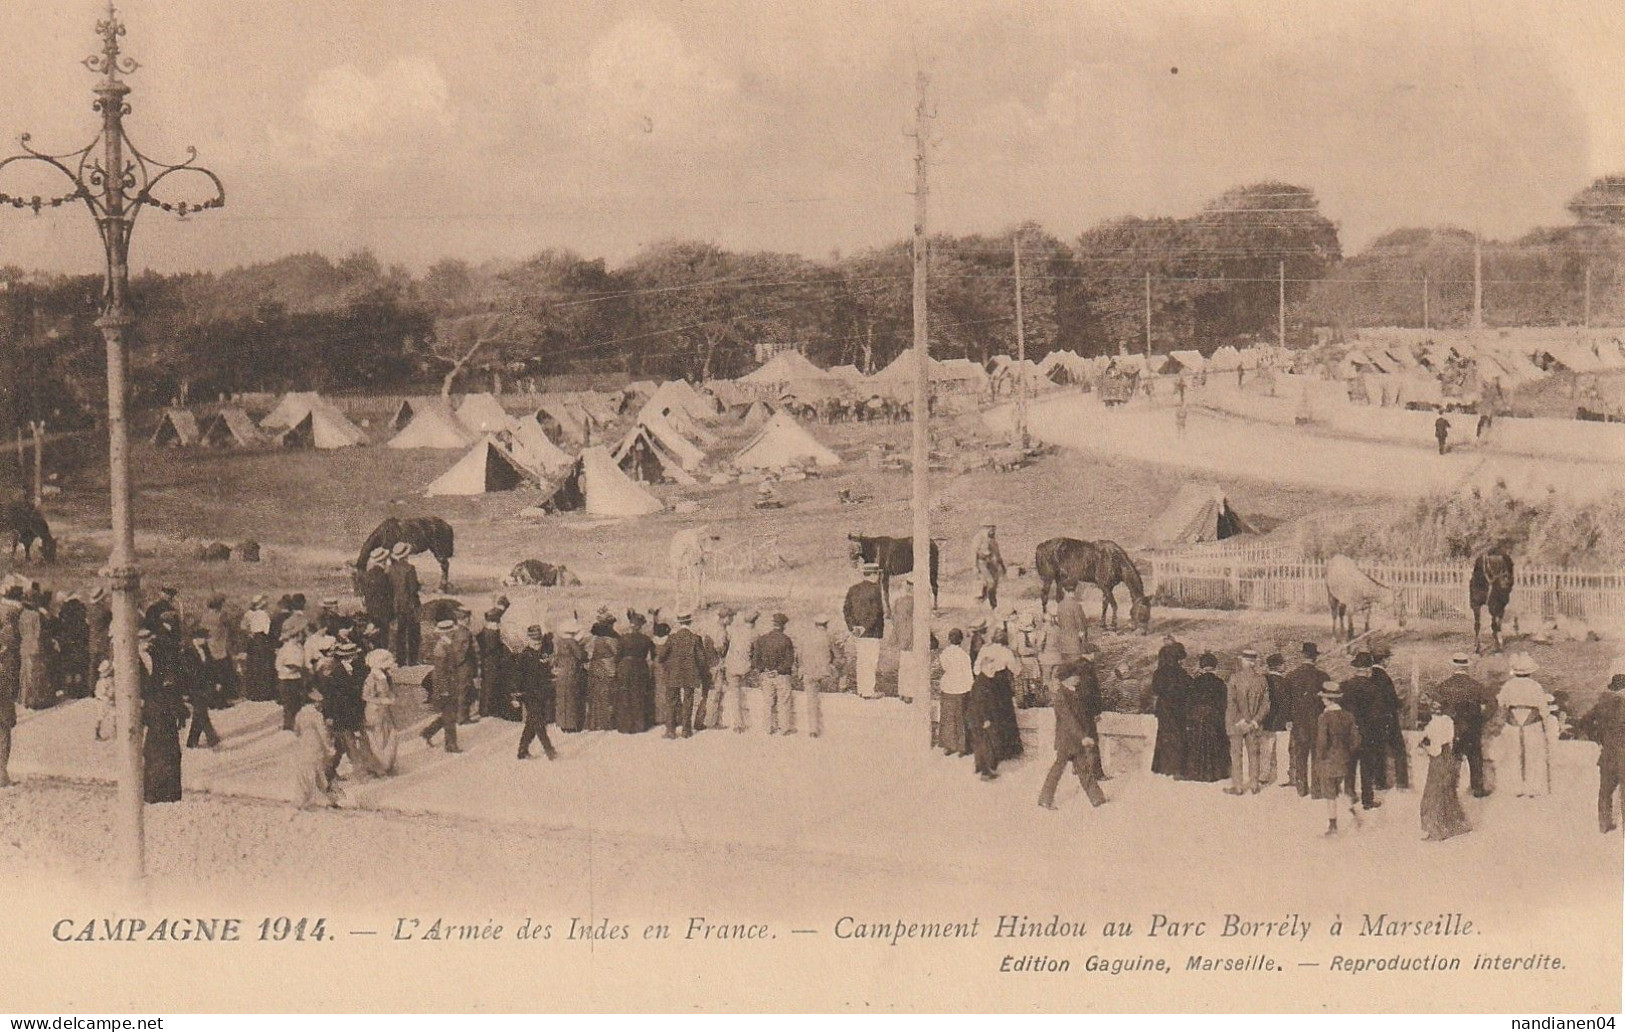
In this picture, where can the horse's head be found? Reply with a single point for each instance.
(1139, 615)
(854, 548)
(47, 548)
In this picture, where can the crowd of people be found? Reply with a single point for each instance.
(337, 678)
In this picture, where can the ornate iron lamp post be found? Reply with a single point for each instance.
(115, 181)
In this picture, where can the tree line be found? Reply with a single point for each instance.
(696, 310)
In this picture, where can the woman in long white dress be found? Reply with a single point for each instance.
(379, 694)
(311, 787)
(1523, 748)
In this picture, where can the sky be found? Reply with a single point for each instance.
(491, 129)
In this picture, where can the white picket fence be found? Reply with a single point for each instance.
(1254, 577)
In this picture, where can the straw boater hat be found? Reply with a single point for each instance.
(1461, 660)
(378, 555)
(380, 659)
(1250, 653)
(401, 550)
(871, 569)
(1333, 692)
(447, 624)
(569, 627)
(98, 594)
(259, 602)
(822, 620)
(780, 619)
(685, 618)
(145, 634)
(345, 648)
(534, 634)
(1523, 665)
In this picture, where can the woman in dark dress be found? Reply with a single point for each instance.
(601, 675)
(1172, 686)
(996, 668)
(569, 677)
(1207, 743)
(634, 679)
(162, 714)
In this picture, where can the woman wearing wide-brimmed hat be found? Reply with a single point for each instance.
(1523, 762)
(382, 723)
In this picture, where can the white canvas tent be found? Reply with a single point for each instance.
(177, 429)
(758, 414)
(1199, 513)
(482, 413)
(315, 422)
(531, 446)
(789, 369)
(487, 467)
(290, 410)
(596, 485)
(679, 419)
(1225, 360)
(653, 453)
(231, 428)
(410, 407)
(432, 426)
(1186, 362)
(783, 442)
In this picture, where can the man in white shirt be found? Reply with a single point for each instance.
(956, 685)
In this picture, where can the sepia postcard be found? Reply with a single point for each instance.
(741, 506)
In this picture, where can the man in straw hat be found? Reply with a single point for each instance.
(739, 634)
(688, 674)
(1247, 704)
(1605, 725)
(453, 659)
(1337, 742)
(291, 673)
(533, 677)
(1466, 701)
(1525, 763)
(406, 604)
(377, 592)
(773, 656)
(817, 660)
(865, 613)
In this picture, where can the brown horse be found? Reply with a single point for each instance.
(1068, 562)
(423, 533)
(1491, 585)
(26, 525)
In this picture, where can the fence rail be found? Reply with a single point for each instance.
(1260, 579)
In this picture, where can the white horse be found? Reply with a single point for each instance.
(1350, 589)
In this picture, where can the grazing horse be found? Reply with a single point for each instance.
(1349, 590)
(422, 533)
(894, 556)
(1068, 562)
(26, 525)
(1491, 586)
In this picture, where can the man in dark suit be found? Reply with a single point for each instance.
(1605, 725)
(533, 676)
(195, 676)
(1303, 687)
(406, 604)
(688, 673)
(865, 613)
(1077, 739)
(1360, 699)
(1466, 701)
(1395, 750)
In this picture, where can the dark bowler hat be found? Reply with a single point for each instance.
(1311, 650)
(1362, 660)
(1208, 661)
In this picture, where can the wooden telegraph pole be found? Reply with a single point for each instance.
(38, 427)
(1021, 355)
(920, 687)
(1587, 322)
(1148, 318)
(1280, 330)
(1425, 301)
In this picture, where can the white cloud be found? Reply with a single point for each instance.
(346, 108)
(642, 78)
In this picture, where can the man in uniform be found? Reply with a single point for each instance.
(865, 613)
(406, 603)
(688, 672)
(1303, 688)
(989, 563)
(453, 658)
(534, 679)
(773, 657)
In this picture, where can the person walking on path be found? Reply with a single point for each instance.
(1605, 725)
(1337, 742)
(683, 655)
(453, 658)
(1441, 433)
(817, 661)
(865, 613)
(989, 564)
(773, 657)
(312, 788)
(1303, 690)
(534, 679)
(1077, 706)
(382, 722)
(1246, 707)
(1442, 815)
(197, 687)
